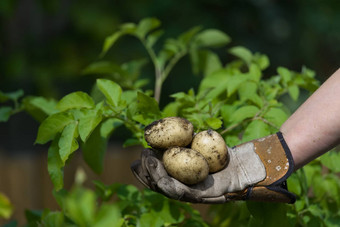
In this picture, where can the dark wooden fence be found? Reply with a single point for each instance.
(24, 178)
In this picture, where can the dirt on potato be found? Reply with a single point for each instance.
(185, 165)
(169, 132)
(213, 147)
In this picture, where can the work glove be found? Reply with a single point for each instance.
(257, 170)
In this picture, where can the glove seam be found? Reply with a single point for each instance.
(279, 189)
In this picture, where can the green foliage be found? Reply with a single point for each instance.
(7, 111)
(6, 208)
(114, 205)
(237, 99)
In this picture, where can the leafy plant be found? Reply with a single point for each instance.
(114, 205)
(237, 99)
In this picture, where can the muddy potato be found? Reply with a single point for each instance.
(213, 147)
(186, 165)
(169, 132)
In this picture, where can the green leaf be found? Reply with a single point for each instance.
(94, 150)
(214, 79)
(145, 26)
(129, 193)
(40, 107)
(33, 217)
(315, 210)
(294, 184)
(88, 122)
(186, 37)
(171, 109)
(234, 82)
(242, 53)
(6, 208)
(60, 196)
(227, 111)
(148, 109)
(14, 96)
(127, 28)
(214, 123)
(256, 129)
(110, 41)
(171, 47)
(261, 60)
(108, 126)
(103, 67)
(153, 37)
(80, 206)
(293, 91)
(55, 165)
(5, 113)
(147, 104)
(212, 38)
(131, 142)
(255, 73)
(53, 125)
(53, 219)
(129, 96)
(276, 116)
(244, 113)
(151, 219)
(204, 61)
(327, 186)
(285, 74)
(75, 100)
(168, 211)
(299, 205)
(111, 90)
(67, 142)
(247, 90)
(331, 160)
(215, 84)
(105, 192)
(109, 215)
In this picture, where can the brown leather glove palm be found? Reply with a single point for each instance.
(257, 170)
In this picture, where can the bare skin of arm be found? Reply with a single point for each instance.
(314, 128)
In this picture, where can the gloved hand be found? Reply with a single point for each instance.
(257, 170)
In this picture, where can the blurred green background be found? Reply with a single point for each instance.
(45, 44)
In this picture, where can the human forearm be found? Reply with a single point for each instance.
(314, 128)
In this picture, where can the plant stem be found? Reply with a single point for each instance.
(158, 88)
(158, 71)
(267, 122)
(171, 64)
(229, 128)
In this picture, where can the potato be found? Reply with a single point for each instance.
(213, 147)
(185, 165)
(169, 132)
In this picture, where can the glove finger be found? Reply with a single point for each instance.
(169, 186)
(146, 153)
(155, 168)
(214, 200)
(174, 189)
(140, 173)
